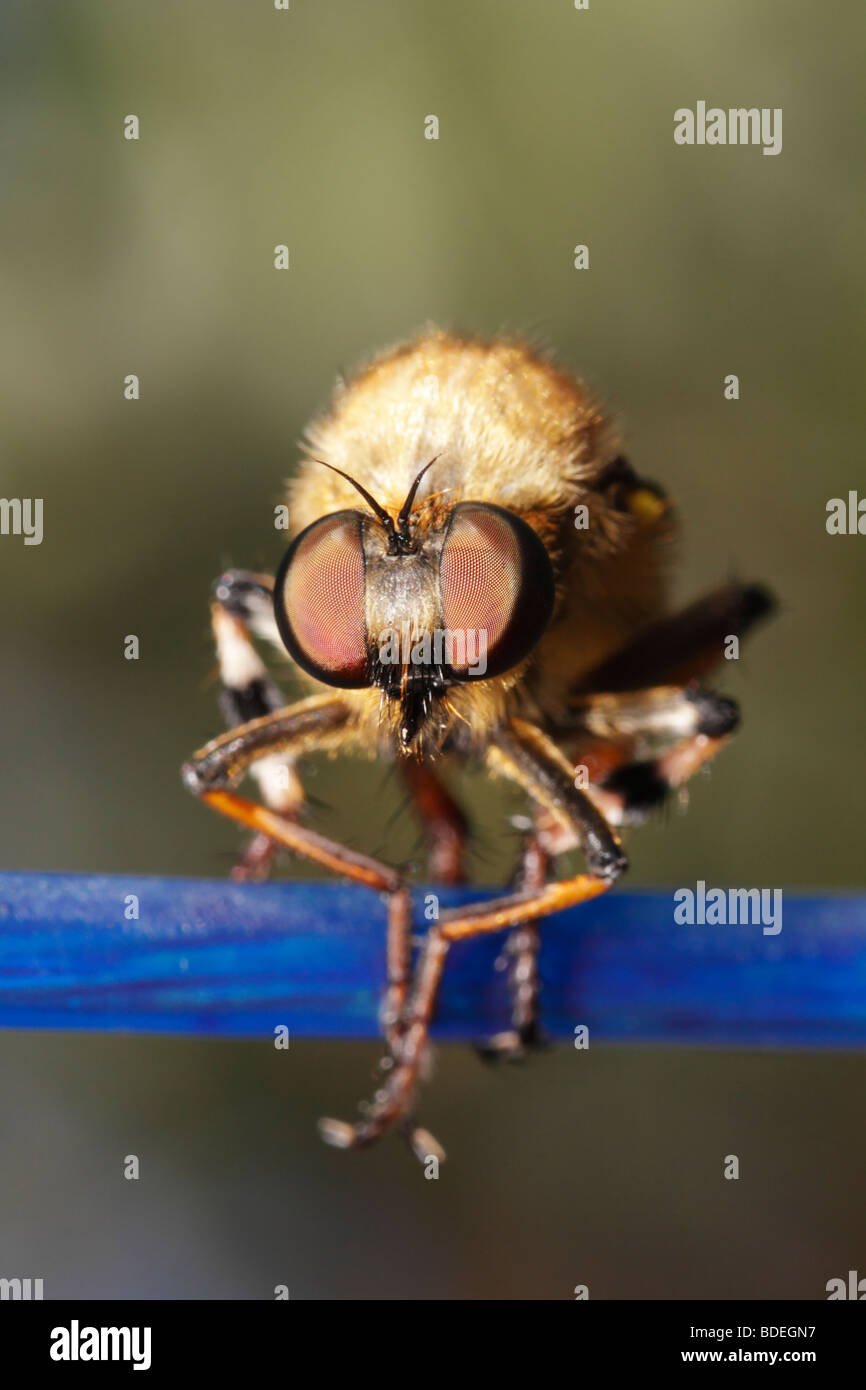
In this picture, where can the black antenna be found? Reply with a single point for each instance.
(405, 510)
(399, 539)
(386, 520)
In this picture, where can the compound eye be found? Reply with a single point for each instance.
(319, 601)
(497, 588)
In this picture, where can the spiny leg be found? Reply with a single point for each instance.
(651, 718)
(296, 730)
(543, 767)
(392, 1104)
(348, 863)
(243, 603)
(520, 956)
(446, 831)
(524, 754)
(631, 793)
(684, 645)
(444, 822)
(399, 970)
(635, 747)
(394, 1101)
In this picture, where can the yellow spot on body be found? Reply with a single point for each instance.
(645, 505)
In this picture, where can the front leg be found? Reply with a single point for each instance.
(520, 956)
(523, 753)
(319, 723)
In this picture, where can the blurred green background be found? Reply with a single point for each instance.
(156, 257)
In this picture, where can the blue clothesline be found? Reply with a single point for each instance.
(217, 958)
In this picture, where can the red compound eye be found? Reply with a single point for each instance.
(319, 601)
(497, 588)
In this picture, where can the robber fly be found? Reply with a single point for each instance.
(478, 575)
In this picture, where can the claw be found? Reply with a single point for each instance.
(338, 1134)
(512, 1046)
(424, 1146)
(502, 1047)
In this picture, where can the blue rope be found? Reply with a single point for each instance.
(225, 959)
